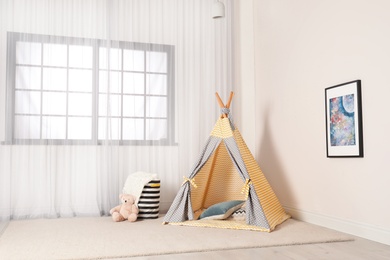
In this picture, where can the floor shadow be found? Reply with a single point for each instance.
(272, 166)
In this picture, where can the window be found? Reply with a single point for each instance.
(68, 89)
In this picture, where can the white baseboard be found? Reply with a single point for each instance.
(350, 227)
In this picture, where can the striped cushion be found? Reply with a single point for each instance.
(149, 202)
(239, 214)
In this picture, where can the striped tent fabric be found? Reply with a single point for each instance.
(149, 201)
(225, 171)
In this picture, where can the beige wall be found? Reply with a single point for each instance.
(244, 76)
(300, 48)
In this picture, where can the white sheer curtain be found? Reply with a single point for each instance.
(91, 91)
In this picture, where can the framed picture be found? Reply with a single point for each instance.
(344, 126)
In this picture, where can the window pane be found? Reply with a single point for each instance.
(54, 54)
(156, 106)
(103, 105)
(114, 82)
(114, 105)
(53, 127)
(109, 128)
(133, 106)
(53, 103)
(80, 56)
(115, 58)
(133, 129)
(27, 78)
(80, 104)
(103, 58)
(28, 53)
(55, 84)
(156, 84)
(27, 127)
(133, 83)
(79, 128)
(27, 102)
(133, 60)
(54, 79)
(156, 129)
(156, 62)
(103, 81)
(80, 80)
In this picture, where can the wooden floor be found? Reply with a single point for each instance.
(357, 250)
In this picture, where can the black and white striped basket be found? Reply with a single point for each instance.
(149, 202)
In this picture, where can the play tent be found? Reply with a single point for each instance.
(226, 171)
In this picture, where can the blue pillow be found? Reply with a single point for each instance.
(222, 210)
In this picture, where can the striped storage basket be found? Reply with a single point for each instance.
(149, 201)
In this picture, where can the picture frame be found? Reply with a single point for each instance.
(344, 125)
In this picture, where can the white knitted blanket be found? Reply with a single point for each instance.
(135, 183)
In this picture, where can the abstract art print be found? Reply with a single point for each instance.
(344, 126)
(342, 120)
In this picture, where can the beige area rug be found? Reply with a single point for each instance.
(101, 238)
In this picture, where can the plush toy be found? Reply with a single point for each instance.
(127, 210)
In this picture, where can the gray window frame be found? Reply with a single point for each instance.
(13, 37)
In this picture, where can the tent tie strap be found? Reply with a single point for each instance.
(245, 189)
(191, 181)
(226, 111)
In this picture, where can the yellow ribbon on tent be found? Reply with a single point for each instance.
(192, 181)
(245, 189)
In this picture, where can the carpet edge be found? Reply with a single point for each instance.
(341, 240)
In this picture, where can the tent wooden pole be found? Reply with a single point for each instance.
(230, 99)
(220, 103)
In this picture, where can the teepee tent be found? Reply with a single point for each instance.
(226, 171)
